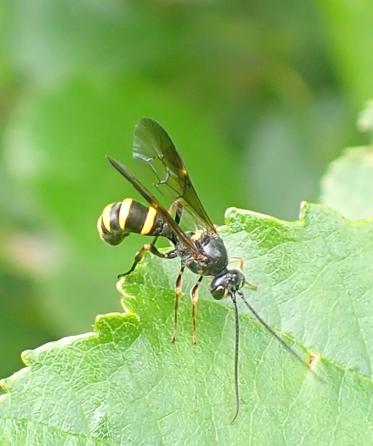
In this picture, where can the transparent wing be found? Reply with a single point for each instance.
(153, 146)
(151, 199)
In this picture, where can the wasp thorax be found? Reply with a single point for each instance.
(226, 283)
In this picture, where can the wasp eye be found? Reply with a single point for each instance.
(219, 292)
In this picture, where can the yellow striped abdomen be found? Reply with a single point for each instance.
(119, 219)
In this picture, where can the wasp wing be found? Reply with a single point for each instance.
(151, 199)
(152, 145)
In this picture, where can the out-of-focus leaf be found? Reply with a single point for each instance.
(52, 40)
(21, 324)
(227, 60)
(127, 383)
(347, 185)
(349, 28)
(365, 120)
(286, 152)
(56, 147)
(275, 165)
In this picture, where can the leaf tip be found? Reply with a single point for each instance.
(365, 118)
(242, 219)
(4, 386)
(7, 385)
(28, 357)
(114, 326)
(310, 213)
(123, 283)
(305, 209)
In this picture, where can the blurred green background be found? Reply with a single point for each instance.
(259, 97)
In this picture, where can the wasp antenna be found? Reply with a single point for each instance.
(273, 333)
(113, 162)
(236, 353)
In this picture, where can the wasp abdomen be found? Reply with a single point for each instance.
(119, 219)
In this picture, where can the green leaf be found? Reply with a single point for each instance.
(292, 146)
(126, 383)
(315, 278)
(365, 119)
(349, 28)
(347, 185)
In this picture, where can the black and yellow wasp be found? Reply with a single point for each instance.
(201, 250)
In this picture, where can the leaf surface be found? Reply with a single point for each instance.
(126, 383)
(347, 185)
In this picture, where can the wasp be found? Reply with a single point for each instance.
(201, 250)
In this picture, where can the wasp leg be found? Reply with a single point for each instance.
(178, 288)
(194, 297)
(239, 260)
(146, 248)
(176, 207)
(251, 286)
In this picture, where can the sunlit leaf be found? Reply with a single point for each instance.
(347, 185)
(127, 383)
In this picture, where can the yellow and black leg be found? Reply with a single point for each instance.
(251, 286)
(177, 208)
(239, 260)
(178, 289)
(149, 248)
(194, 297)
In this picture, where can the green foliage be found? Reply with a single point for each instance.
(314, 277)
(350, 33)
(22, 324)
(250, 90)
(258, 97)
(347, 186)
(127, 383)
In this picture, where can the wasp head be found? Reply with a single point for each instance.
(227, 283)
